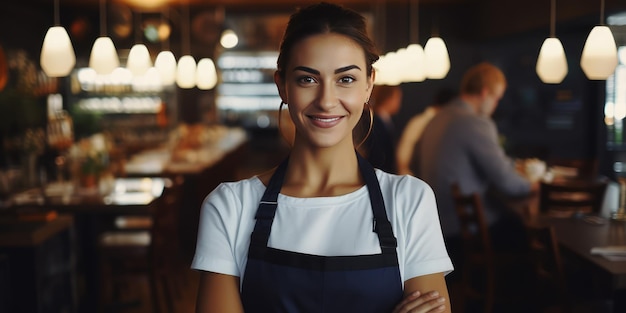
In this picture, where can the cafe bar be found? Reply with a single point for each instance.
(119, 117)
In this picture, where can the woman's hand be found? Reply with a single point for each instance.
(417, 302)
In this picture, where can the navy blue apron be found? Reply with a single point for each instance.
(284, 281)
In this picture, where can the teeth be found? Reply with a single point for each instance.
(326, 120)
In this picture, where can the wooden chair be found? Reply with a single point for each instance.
(477, 251)
(566, 198)
(487, 273)
(549, 284)
(143, 247)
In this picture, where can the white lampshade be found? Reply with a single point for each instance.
(551, 63)
(436, 58)
(206, 76)
(186, 72)
(103, 58)
(57, 57)
(139, 60)
(599, 57)
(229, 39)
(165, 64)
(415, 63)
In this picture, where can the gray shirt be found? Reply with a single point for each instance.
(458, 145)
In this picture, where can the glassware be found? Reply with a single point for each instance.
(620, 215)
(60, 134)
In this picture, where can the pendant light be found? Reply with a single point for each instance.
(103, 58)
(437, 60)
(415, 56)
(599, 57)
(139, 61)
(206, 76)
(186, 68)
(165, 63)
(552, 63)
(57, 57)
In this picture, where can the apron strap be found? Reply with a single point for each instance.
(267, 207)
(382, 226)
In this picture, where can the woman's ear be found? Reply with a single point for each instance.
(280, 84)
(370, 84)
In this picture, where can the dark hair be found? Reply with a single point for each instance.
(323, 18)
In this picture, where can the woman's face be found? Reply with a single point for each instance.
(326, 86)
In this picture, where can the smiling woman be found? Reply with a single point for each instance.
(270, 243)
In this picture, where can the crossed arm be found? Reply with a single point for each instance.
(220, 293)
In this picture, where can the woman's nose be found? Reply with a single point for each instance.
(327, 97)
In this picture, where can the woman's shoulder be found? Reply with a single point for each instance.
(401, 182)
(240, 189)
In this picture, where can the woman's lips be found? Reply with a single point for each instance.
(325, 121)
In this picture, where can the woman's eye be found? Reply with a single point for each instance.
(346, 80)
(306, 80)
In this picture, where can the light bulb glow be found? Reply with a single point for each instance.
(139, 60)
(57, 57)
(436, 58)
(229, 39)
(551, 63)
(165, 64)
(206, 76)
(103, 58)
(186, 72)
(415, 63)
(599, 57)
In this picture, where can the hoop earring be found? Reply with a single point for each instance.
(280, 130)
(371, 124)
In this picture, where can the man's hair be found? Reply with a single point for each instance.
(480, 76)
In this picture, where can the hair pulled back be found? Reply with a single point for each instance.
(324, 18)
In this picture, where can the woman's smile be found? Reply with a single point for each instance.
(325, 121)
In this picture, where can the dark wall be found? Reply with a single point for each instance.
(535, 119)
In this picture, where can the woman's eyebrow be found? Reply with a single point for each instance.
(346, 68)
(316, 72)
(306, 69)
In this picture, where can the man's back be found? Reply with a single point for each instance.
(461, 146)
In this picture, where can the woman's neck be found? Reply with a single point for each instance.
(322, 172)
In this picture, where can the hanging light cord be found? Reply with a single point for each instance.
(552, 18)
(185, 29)
(57, 18)
(414, 23)
(165, 44)
(602, 12)
(138, 29)
(103, 26)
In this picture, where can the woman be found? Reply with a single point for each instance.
(328, 233)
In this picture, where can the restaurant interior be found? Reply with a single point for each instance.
(108, 151)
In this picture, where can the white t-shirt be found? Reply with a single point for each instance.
(327, 226)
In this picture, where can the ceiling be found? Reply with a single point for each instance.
(487, 18)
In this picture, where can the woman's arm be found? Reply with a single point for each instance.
(427, 293)
(218, 293)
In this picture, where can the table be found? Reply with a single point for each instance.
(93, 214)
(40, 264)
(577, 236)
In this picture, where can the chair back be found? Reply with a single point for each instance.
(566, 198)
(473, 223)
